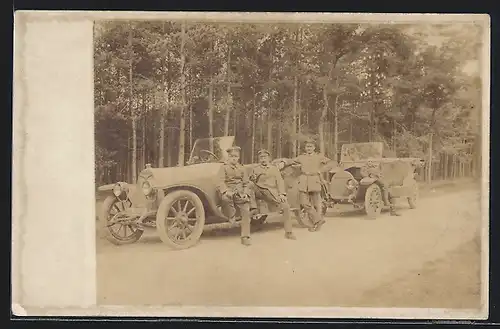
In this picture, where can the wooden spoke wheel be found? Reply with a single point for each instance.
(180, 219)
(373, 201)
(118, 231)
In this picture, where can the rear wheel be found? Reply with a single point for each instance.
(112, 211)
(180, 219)
(373, 201)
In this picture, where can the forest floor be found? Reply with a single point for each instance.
(429, 257)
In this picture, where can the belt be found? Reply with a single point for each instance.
(310, 174)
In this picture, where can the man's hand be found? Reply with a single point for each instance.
(282, 198)
(281, 165)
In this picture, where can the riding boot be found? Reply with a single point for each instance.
(246, 241)
(393, 211)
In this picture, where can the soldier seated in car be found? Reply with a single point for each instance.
(236, 192)
(270, 187)
(371, 169)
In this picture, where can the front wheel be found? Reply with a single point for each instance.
(112, 211)
(373, 201)
(180, 219)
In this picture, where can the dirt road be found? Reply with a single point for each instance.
(352, 261)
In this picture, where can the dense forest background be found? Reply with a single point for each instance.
(160, 85)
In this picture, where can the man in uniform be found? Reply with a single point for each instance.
(371, 169)
(270, 187)
(235, 192)
(310, 182)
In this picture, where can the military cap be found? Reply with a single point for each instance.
(309, 140)
(264, 151)
(233, 149)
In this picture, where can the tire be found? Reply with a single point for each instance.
(373, 201)
(171, 227)
(413, 199)
(110, 208)
(303, 219)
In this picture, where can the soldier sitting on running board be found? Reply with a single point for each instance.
(236, 191)
(270, 187)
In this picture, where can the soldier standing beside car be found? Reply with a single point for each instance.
(270, 187)
(310, 182)
(235, 192)
(371, 169)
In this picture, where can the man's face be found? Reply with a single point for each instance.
(309, 148)
(264, 159)
(234, 158)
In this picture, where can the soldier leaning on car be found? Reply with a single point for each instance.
(310, 182)
(270, 187)
(236, 191)
(372, 169)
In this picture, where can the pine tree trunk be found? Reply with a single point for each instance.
(210, 115)
(128, 157)
(429, 160)
(144, 160)
(294, 113)
(350, 131)
(228, 92)
(278, 144)
(299, 115)
(269, 131)
(446, 165)
(235, 121)
(253, 129)
(161, 147)
(270, 104)
(182, 126)
(190, 107)
(321, 124)
(168, 135)
(131, 110)
(335, 139)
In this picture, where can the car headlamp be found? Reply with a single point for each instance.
(146, 188)
(351, 184)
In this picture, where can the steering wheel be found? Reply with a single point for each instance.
(210, 154)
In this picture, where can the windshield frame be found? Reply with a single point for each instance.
(376, 146)
(224, 142)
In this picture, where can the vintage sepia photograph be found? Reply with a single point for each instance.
(251, 165)
(288, 164)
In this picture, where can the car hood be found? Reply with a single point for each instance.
(191, 174)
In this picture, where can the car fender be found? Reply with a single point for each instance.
(365, 181)
(106, 190)
(208, 201)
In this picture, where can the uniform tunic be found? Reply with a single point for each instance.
(234, 178)
(269, 185)
(269, 178)
(309, 180)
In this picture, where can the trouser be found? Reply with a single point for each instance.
(313, 212)
(388, 200)
(270, 199)
(229, 208)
